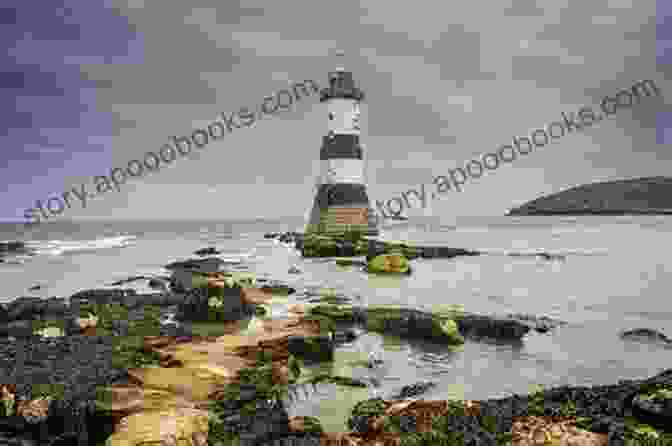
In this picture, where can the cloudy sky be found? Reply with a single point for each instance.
(93, 87)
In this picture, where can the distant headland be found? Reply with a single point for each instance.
(637, 196)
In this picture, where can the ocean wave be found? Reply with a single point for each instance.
(60, 247)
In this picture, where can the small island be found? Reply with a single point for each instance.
(638, 196)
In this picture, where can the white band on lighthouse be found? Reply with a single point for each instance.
(343, 116)
(339, 171)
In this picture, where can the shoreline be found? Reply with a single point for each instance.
(53, 360)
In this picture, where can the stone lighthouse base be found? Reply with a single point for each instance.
(342, 207)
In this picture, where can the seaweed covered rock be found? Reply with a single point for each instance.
(654, 407)
(305, 425)
(413, 324)
(251, 410)
(316, 348)
(319, 246)
(407, 322)
(389, 263)
(363, 412)
(342, 313)
(213, 304)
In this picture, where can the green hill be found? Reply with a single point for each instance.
(651, 195)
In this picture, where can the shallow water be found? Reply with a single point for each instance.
(615, 275)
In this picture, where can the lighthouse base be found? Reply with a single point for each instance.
(339, 208)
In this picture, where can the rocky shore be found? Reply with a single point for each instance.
(146, 356)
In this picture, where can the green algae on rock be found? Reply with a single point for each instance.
(256, 384)
(383, 319)
(128, 350)
(319, 246)
(393, 263)
(363, 411)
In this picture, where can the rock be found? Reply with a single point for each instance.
(278, 288)
(129, 280)
(487, 326)
(408, 323)
(84, 323)
(645, 335)
(654, 409)
(120, 327)
(350, 262)
(196, 306)
(211, 251)
(318, 348)
(346, 248)
(319, 246)
(13, 247)
(25, 308)
(294, 270)
(449, 329)
(541, 324)
(547, 256)
(158, 284)
(389, 263)
(17, 329)
(55, 306)
(163, 299)
(34, 411)
(4, 313)
(204, 266)
(132, 300)
(413, 390)
(445, 252)
(103, 296)
(50, 332)
(347, 335)
(165, 427)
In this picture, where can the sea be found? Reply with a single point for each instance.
(605, 275)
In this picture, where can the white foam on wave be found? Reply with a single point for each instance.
(60, 247)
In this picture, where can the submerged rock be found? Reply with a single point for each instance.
(412, 323)
(211, 251)
(13, 247)
(645, 335)
(541, 324)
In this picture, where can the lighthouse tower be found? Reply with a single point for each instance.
(341, 202)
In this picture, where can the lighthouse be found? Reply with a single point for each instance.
(341, 202)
